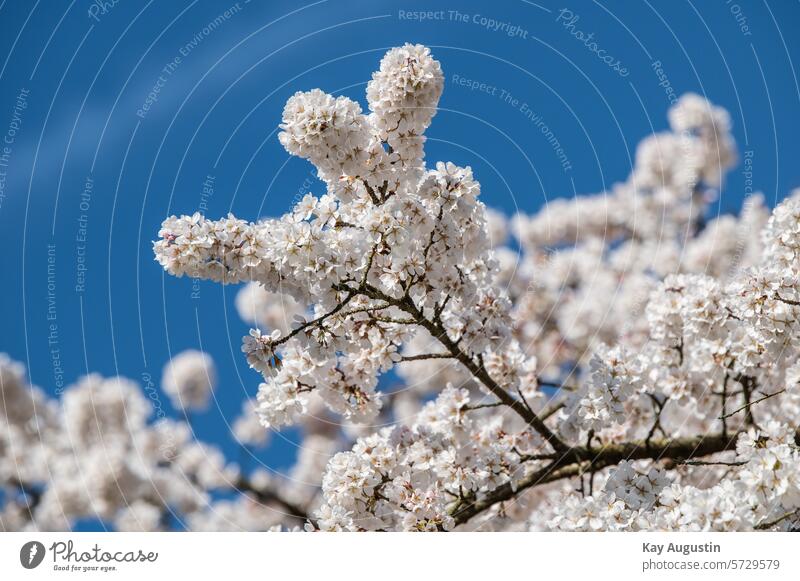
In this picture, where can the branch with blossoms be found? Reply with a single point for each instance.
(582, 460)
(643, 336)
(477, 369)
(631, 365)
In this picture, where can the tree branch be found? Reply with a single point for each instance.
(577, 460)
(318, 321)
(769, 524)
(751, 403)
(268, 496)
(426, 356)
(478, 371)
(747, 389)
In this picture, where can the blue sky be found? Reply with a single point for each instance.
(118, 116)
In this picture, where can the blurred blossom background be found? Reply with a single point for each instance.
(116, 114)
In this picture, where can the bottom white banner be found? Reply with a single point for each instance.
(388, 556)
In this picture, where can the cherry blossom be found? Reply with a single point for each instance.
(627, 362)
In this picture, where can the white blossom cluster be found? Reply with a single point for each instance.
(97, 453)
(385, 232)
(189, 380)
(631, 364)
(600, 402)
(404, 478)
(267, 310)
(762, 486)
(629, 316)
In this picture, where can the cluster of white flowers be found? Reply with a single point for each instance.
(386, 238)
(405, 478)
(97, 454)
(761, 490)
(632, 365)
(650, 322)
(600, 402)
(248, 429)
(189, 379)
(403, 96)
(637, 490)
(270, 311)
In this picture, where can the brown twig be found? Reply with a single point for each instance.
(751, 403)
(477, 370)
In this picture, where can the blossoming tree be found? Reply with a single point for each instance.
(631, 366)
